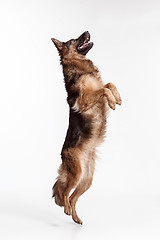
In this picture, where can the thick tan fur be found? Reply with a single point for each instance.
(92, 102)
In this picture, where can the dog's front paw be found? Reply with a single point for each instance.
(110, 98)
(118, 98)
(115, 92)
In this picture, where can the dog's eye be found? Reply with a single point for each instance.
(72, 41)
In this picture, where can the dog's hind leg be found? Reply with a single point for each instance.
(83, 186)
(88, 166)
(72, 181)
(71, 168)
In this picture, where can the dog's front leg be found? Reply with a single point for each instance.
(114, 91)
(90, 98)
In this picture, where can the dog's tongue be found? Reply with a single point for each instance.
(84, 45)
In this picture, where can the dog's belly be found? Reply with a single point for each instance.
(98, 114)
(87, 164)
(98, 130)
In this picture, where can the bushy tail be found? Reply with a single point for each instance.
(58, 190)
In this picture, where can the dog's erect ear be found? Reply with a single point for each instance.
(57, 43)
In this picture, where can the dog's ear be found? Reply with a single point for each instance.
(58, 44)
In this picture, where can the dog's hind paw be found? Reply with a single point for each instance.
(68, 210)
(76, 219)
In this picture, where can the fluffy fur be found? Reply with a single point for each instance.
(89, 101)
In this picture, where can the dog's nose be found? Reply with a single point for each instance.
(86, 32)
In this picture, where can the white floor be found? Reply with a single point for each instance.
(104, 217)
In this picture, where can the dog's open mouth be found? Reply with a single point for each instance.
(84, 44)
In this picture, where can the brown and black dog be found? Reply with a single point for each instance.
(89, 101)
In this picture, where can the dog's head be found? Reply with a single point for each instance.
(80, 45)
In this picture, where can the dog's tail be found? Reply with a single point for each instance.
(58, 190)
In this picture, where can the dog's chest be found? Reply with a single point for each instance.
(92, 83)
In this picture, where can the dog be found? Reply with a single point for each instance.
(89, 102)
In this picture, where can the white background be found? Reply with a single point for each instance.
(124, 201)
